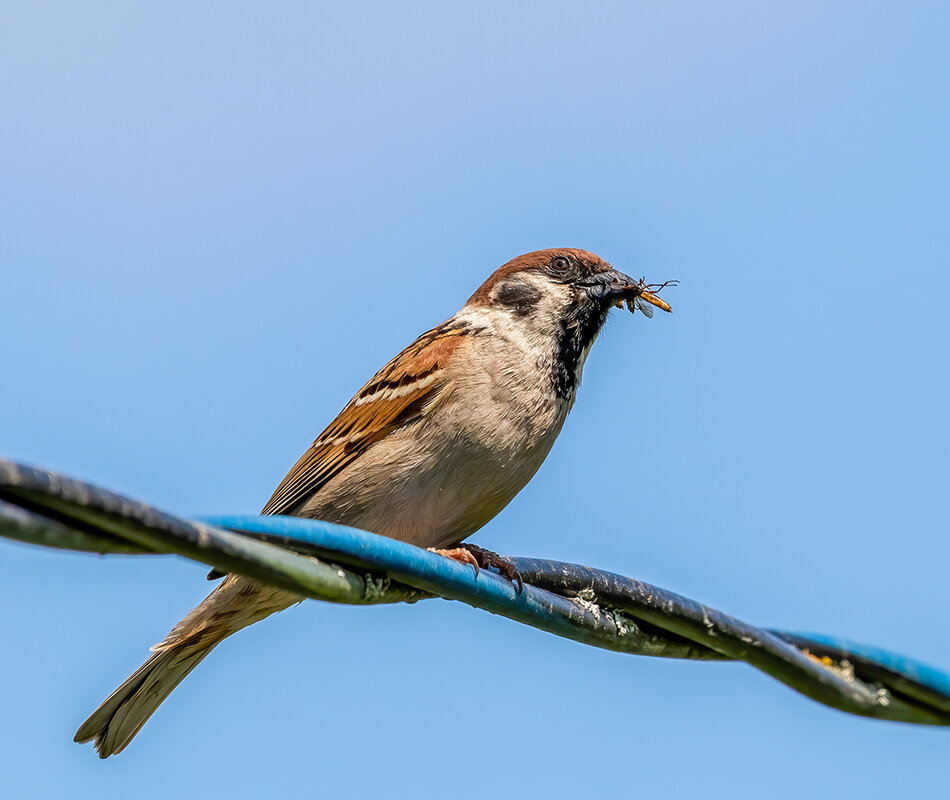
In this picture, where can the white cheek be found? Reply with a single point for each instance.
(535, 332)
(502, 323)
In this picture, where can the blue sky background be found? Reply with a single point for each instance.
(218, 220)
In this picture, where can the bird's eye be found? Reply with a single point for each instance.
(560, 264)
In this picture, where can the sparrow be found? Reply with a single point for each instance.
(428, 451)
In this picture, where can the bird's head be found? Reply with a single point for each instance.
(560, 299)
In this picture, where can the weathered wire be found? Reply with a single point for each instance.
(339, 564)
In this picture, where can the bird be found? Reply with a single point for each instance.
(436, 444)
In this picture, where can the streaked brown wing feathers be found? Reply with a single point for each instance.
(399, 393)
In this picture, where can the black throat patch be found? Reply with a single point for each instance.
(580, 325)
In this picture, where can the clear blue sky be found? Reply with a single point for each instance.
(218, 220)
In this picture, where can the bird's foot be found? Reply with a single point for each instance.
(480, 558)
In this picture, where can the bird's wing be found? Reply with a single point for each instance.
(398, 394)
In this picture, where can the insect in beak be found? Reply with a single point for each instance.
(653, 300)
(645, 296)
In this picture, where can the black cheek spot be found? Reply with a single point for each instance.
(520, 295)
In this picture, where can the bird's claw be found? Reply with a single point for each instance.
(480, 558)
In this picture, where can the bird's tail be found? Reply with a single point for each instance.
(238, 602)
(127, 709)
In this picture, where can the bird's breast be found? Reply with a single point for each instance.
(446, 475)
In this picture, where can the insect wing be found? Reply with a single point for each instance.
(643, 306)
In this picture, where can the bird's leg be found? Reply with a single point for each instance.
(480, 558)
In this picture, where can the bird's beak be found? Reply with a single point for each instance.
(615, 287)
